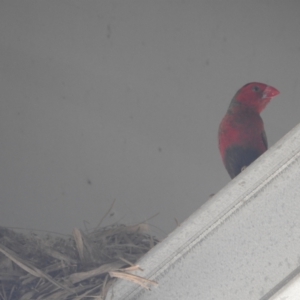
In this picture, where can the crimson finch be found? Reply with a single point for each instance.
(242, 138)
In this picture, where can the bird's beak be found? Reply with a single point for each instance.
(270, 92)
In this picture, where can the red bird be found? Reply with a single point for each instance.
(242, 138)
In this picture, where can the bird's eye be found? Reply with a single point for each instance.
(255, 88)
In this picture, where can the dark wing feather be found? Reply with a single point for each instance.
(264, 138)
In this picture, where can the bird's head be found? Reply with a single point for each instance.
(255, 95)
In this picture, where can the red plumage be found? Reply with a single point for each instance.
(242, 137)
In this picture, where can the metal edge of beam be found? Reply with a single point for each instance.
(213, 214)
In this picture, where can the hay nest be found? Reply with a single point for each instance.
(81, 266)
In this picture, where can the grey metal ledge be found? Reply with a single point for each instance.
(244, 243)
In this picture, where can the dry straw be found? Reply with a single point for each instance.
(80, 266)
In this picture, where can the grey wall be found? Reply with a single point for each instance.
(104, 100)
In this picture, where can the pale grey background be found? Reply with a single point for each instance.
(104, 100)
